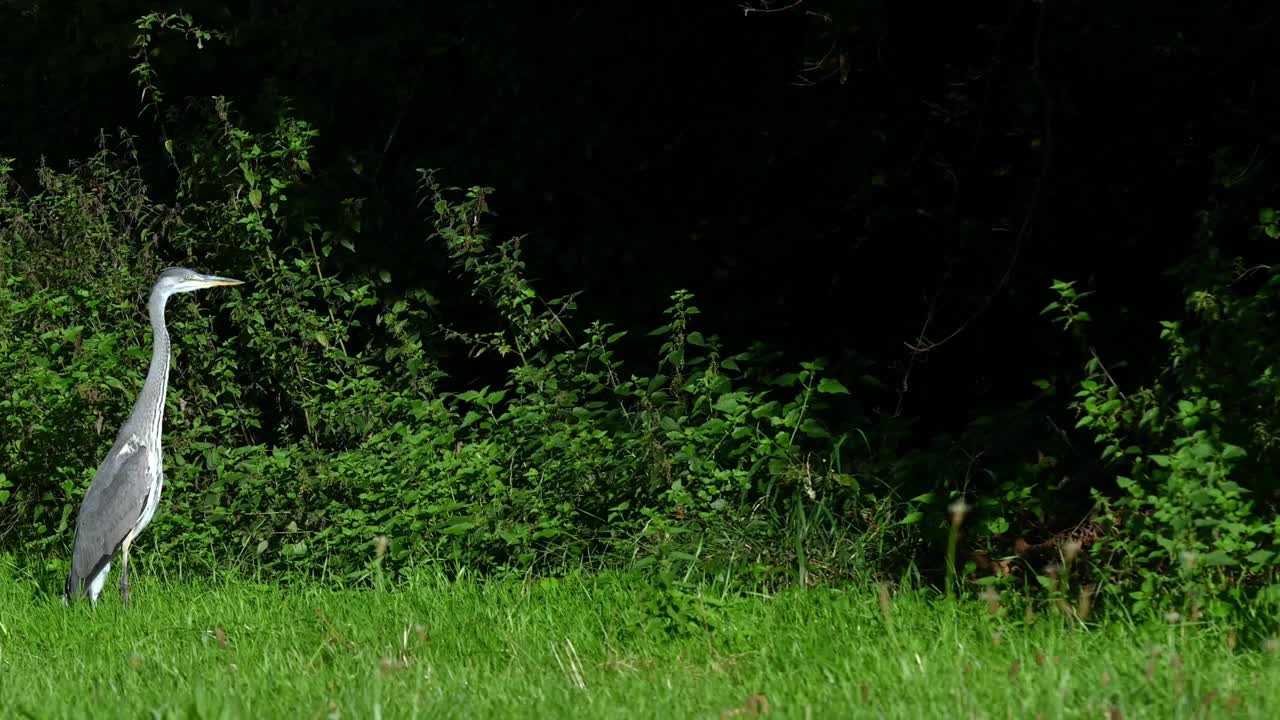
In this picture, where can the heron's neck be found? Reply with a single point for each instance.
(148, 412)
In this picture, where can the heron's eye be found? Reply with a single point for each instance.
(190, 277)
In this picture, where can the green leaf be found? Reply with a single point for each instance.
(911, 518)
(784, 380)
(832, 387)
(1233, 452)
(727, 403)
(695, 338)
(1217, 558)
(1260, 557)
(812, 428)
(255, 198)
(846, 480)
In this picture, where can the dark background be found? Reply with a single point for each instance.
(833, 178)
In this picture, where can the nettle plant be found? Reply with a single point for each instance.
(1193, 528)
(306, 431)
(70, 341)
(269, 385)
(593, 455)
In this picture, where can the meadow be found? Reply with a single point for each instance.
(596, 647)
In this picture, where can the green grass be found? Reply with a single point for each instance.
(579, 648)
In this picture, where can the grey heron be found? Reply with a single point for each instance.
(125, 490)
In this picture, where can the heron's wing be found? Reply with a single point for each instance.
(110, 510)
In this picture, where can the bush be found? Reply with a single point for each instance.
(1193, 528)
(307, 431)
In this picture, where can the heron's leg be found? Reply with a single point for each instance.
(124, 573)
(96, 582)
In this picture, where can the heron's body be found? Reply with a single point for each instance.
(125, 491)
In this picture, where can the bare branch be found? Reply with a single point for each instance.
(750, 9)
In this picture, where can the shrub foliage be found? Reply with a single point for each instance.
(313, 430)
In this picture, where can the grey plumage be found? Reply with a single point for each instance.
(125, 490)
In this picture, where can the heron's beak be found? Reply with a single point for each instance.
(215, 281)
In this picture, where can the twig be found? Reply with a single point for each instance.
(1106, 373)
(749, 9)
(1032, 204)
(911, 360)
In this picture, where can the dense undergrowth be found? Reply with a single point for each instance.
(312, 430)
(306, 426)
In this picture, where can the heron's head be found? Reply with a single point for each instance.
(180, 280)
